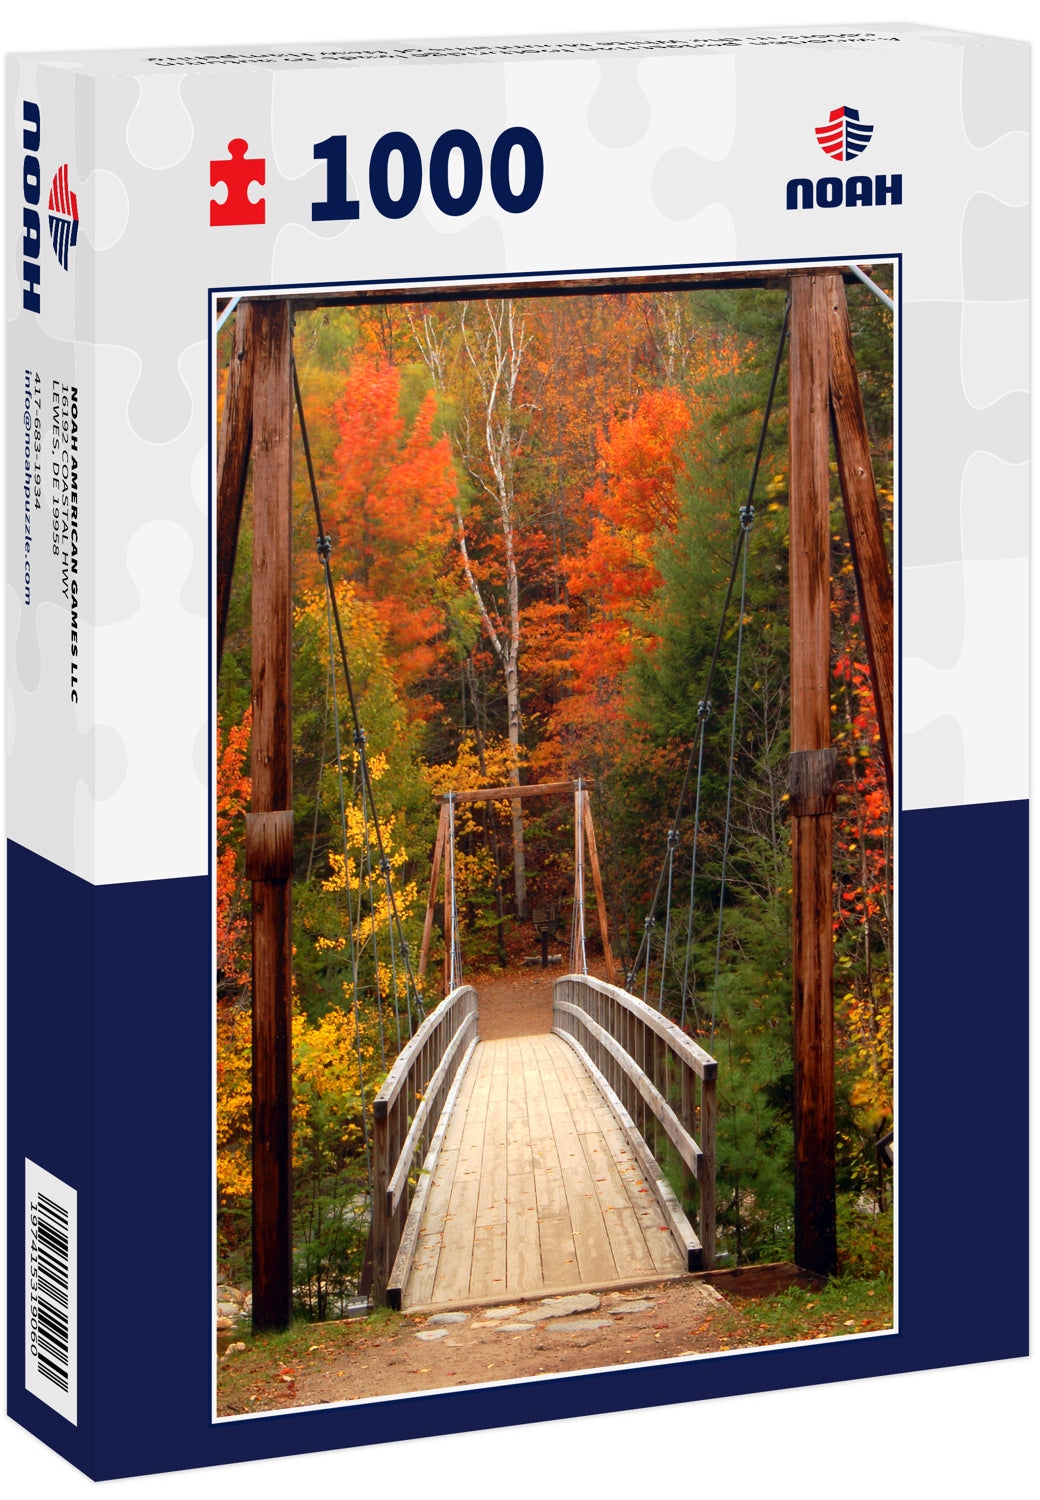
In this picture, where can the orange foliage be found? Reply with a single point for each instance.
(391, 510)
(233, 792)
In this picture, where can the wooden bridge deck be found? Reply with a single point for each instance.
(536, 1189)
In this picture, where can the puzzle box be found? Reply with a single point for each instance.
(329, 178)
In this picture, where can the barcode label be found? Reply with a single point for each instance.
(50, 1290)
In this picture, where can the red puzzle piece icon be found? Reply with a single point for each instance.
(237, 173)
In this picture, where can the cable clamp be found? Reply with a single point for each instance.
(324, 546)
(747, 516)
(648, 922)
(673, 837)
(703, 710)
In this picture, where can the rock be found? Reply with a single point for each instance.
(234, 1349)
(432, 1333)
(561, 1307)
(228, 1309)
(500, 1312)
(440, 1319)
(632, 1307)
(223, 1324)
(515, 1327)
(573, 1325)
(229, 1294)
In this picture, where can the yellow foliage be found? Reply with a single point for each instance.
(326, 1092)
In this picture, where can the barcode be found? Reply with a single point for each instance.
(50, 1290)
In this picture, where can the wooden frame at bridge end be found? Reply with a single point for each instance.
(583, 822)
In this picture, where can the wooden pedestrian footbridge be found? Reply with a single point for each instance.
(546, 1163)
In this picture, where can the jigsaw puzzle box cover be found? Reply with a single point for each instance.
(517, 599)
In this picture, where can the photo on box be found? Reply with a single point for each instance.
(512, 1039)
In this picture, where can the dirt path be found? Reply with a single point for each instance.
(392, 1354)
(519, 1001)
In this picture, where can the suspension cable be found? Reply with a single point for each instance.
(703, 715)
(350, 918)
(746, 514)
(748, 522)
(325, 553)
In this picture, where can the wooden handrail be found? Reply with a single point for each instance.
(649, 1071)
(421, 1086)
(702, 1063)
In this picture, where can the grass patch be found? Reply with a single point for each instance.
(262, 1377)
(844, 1306)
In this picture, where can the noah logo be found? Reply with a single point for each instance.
(843, 136)
(62, 216)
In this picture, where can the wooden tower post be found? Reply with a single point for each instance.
(269, 825)
(813, 764)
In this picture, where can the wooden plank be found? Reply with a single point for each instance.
(862, 514)
(557, 1252)
(233, 446)
(456, 1257)
(272, 792)
(431, 1235)
(811, 836)
(624, 1230)
(674, 1217)
(509, 793)
(665, 1254)
(402, 1267)
(591, 1241)
(597, 881)
(488, 1267)
(621, 1284)
(523, 1246)
(438, 848)
(761, 1281)
(661, 1110)
(463, 1037)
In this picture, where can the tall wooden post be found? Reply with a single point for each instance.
(269, 825)
(812, 774)
(233, 446)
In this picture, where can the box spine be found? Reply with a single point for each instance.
(50, 1004)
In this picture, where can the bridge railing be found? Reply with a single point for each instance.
(411, 1113)
(659, 1083)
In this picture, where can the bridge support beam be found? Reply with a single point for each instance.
(812, 773)
(269, 828)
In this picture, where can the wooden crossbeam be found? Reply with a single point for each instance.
(764, 278)
(506, 793)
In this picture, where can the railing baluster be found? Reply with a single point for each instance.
(652, 1069)
(409, 1088)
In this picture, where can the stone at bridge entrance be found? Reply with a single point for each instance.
(561, 1307)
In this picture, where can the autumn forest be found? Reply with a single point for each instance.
(532, 506)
